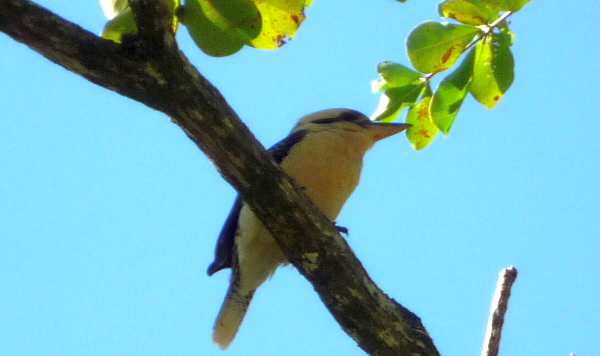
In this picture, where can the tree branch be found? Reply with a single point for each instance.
(153, 18)
(166, 81)
(493, 333)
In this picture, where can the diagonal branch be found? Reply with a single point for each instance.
(80, 51)
(166, 81)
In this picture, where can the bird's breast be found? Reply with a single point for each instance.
(328, 166)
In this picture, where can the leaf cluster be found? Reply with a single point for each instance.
(480, 34)
(219, 27)
(476, 41)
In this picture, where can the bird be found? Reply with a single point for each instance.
(323, 154)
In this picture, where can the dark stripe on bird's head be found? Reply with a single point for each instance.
(344, 115)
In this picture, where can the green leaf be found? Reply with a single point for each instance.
(496, 5)
(394, 75)
(280, 21)
(175, 23)
(123, 24)
(511, 36)
(514, 5)
(400, 85)
(394, 100)
(451, 93)
(122, 21)
(423, 131)
(493, 69)
(472, 12)
(506, 5)
(112, 8)
(222, 27)
(434, 47)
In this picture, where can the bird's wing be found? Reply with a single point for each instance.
(281, 149)
(224, 248)
(225, 242)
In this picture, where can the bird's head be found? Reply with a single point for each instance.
(349, 123)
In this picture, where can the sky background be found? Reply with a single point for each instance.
(109, 213)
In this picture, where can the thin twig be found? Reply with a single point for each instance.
(493, 333)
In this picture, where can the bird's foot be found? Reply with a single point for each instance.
(341, 229)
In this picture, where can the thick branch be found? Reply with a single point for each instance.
(493, 333)
(65, 43)
(166, 81)
(153, 18)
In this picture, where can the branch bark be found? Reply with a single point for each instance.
(493, 333)
(152, 70)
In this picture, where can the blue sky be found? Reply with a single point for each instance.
(109, 213)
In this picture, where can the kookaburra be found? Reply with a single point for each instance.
(324, 155)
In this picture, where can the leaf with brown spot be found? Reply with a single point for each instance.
(434, 47)
(471, 12)
(493, 69)
(280, 22)
(451, 93)
(423, 131)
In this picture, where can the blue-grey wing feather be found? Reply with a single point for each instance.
(226, 237)
(224, 248)
(281, 149)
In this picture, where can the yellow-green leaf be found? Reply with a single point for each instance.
(493, 69)
(394, 75)
(514, 5)
(472, 12)
(175, 23)
(434, 47)
(451, 93)
(400, 87)
(506, 5)
(394, 100)
(280, 21)
(222, 27)
(122, 24)
(112, 8)
(423, 131)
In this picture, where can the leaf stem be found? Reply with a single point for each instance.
(487, 29)
(500, 19)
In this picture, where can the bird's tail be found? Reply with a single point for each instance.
(231, 315)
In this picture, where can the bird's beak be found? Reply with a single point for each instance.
(381, 130)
